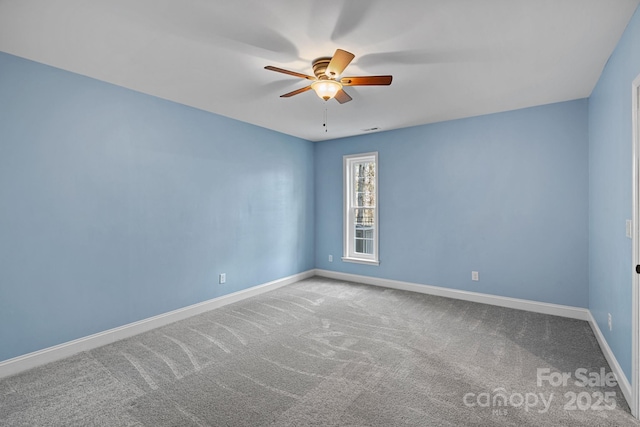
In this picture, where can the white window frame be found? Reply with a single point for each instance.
(349, 252)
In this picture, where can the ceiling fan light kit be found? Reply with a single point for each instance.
(326, 89)
(327, 83)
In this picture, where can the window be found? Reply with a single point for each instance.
(361, 208)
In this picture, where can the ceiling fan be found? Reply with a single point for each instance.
(327, 83)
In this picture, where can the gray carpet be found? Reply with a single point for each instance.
(327, 353)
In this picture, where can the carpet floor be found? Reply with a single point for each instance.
(323, 352)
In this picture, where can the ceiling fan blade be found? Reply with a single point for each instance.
(339, 62)
(342, 96)
(291, 73)
(295, 92)
(367, 81)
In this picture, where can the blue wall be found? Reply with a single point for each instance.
(504, 194)
(610, 194)
(117, 206)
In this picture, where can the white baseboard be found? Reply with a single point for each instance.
(51, 354)
(31, 360)
(623, 381)
(520, 304)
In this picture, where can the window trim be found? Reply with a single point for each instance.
(349, 254)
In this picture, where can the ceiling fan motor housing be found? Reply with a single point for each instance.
(320, 67)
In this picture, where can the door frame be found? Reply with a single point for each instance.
(635, 250)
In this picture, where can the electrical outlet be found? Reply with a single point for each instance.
(222, 278)
(330, 258)
(474, 276)
(609, 321)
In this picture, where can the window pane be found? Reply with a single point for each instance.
(364, 233)
(364, 184)
(364, 230)
(364, 246)
(365, 199)
(363, 218)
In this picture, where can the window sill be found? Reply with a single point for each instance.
(361, 261)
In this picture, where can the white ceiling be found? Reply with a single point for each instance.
(449, 58)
